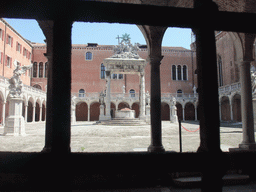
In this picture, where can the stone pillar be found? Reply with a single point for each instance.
(142, 96)
(34, 112)
(108, 98)
(26, 113)
(195, 113)
(248, 142)
(231, 110)
(208, 108)
(15, 123)
(183, 112)
(3, 113)
(73, 112)
(40, 114)
(58, 90)
(155, 101)
(207, 90)
(88, 114)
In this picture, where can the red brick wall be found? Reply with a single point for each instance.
(86, 73)
(11, 50)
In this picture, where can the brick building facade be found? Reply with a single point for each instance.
(88, 77)
(178, 76)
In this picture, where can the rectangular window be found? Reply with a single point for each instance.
(18, 47)
(174, 72)
(24, 52)
(1, 34)
(9, 40)
(8, 61)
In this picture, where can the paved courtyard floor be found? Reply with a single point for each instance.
(88, 137)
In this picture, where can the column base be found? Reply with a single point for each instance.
(244, 147)
(156, 149)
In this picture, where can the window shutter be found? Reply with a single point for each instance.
(20, 48)
(2, 35)
(12, 42)
(10, 62)
(17, 45)
(6, 60)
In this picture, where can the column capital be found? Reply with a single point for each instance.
(155, 59)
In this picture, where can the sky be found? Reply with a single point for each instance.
(101, 33)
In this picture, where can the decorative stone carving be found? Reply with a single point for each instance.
(126, 50)
(15, 81)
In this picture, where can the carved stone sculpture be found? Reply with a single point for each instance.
(15, 81)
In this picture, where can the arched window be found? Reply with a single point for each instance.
(88, 56)
(185, 76)
(179, 93)
(179, 73)
(219, 61)
(102, 71)
(46, 69)
(174, 72)
(35, 69)
(41, 69)
(37, 86)
(132, 93)
(81, 93)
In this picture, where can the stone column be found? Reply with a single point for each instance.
(183, 112)
(207, 90)
(231, 110)
(40, 114)
(195, 113)
(88, 114)
(248, 142)
(26, 113)
(155, 101)
(214, 161)
(142, 96)
(108, 98)
(3, 113)
(58, 90)
(34, 112)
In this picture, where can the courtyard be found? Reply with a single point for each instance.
(89, 137)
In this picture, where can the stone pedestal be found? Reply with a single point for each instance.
(102, 116)
(15, 123)
(127, 114)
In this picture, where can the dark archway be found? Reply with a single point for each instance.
(189, 111)
(236, 107)
(123, 105)
(95, 111)
(165, 112)
(225, 109)
(82, 111)
(136, 107)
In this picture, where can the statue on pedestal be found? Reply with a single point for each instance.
(15, 123)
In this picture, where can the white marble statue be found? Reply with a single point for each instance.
(15, 81)
(126, 50)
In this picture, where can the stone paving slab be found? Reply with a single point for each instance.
(87, 137)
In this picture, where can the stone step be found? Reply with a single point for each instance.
(231, 179)
(123, 122)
